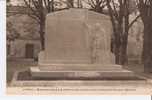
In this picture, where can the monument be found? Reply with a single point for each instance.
(77, 45)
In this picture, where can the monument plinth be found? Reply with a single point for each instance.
(77, 44)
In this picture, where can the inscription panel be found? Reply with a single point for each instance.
(66, 42)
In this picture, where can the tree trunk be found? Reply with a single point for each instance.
(120, 50)
(147, 47)
(70, 3)
(118, 44)
(42, 33)
(123, 51)
(124, 40)
(117, 51)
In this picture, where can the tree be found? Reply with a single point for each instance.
(38, 9)
(73, 3)
(97, 5)
(119, 13)
(19, 25)
(12, 33)
(145, 9)
(70, 3)
(8, 1)
(79, 4)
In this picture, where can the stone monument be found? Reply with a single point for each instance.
(77, 44)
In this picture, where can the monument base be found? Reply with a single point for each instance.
(80, 71)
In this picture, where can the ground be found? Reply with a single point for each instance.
(18, 64)
(77, 87)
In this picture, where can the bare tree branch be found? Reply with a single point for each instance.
(137, 17)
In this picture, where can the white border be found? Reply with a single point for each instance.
(3, 72)
(2, 46)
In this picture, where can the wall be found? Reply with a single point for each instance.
(17, 48)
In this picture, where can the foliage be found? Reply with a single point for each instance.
(12, 33)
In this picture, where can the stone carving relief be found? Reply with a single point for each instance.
(98, 40)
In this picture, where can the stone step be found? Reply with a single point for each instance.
(37, 72)
(79, 67)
